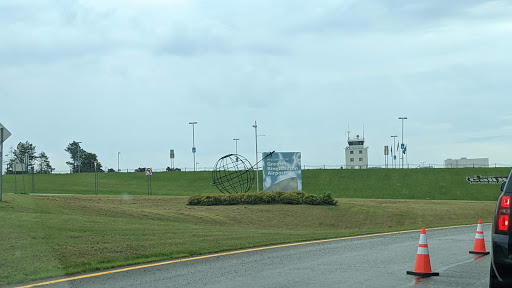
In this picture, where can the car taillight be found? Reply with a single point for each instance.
(503, 214)
(503, 223)
(505, 202)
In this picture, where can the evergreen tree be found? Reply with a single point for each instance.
(86, 159)
(44, 166)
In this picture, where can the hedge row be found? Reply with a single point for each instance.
(296, 197)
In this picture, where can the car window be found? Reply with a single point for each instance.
(508, 186)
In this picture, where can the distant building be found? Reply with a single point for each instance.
(356, 154)
(465, 162)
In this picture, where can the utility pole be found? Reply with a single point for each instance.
(193, 143)
(257, 176)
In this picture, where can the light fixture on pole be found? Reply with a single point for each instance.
(193, 143)
(236, 145)
(256, 136)
(118, 153)
(403, 145)
(394, 164)
(78, 162)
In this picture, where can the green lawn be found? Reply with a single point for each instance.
(434, 184)
(163, 183)
(48, 236)
(45, 236)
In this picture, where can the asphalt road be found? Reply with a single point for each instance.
(376, 261)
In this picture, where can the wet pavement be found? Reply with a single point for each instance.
(377, 261)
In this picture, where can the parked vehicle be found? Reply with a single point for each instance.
(501, 251)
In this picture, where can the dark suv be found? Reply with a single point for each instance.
(501, 262)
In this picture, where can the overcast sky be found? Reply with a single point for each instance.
(129, 76)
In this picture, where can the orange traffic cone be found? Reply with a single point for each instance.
(479, 247)
(422, 267)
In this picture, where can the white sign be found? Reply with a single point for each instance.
(95, 164)
(149, 172)
(6, 133)
(19, 167)
(486, 179)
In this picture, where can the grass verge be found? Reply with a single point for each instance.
(49, 236)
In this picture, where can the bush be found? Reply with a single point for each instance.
(312, 199)
(328, 200)
(292, 198)
(268, 198)
(231, 199)
(213, 200)
(280, 197)
(195, 200)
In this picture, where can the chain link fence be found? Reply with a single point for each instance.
(313, 167)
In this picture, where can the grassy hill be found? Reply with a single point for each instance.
(434, 184)
(49, 236)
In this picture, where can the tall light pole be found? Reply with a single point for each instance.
(118, 153)
(193, 143)
(394, 137)
(257, 176)
(236, 145)
(402, 118)
(78, 143)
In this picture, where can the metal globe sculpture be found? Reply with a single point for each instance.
(233, 174)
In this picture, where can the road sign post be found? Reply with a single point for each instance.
(149, 172)
(4, 134)
(23, 177)
(96, 177)
(33, 183)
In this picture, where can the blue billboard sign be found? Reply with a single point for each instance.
(282, 171)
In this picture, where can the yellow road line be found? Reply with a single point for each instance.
(225, 254)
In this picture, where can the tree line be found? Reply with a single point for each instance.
(24, 158)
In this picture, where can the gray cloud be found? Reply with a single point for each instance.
(303, 71)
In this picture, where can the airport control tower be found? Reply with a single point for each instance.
(356, 154)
